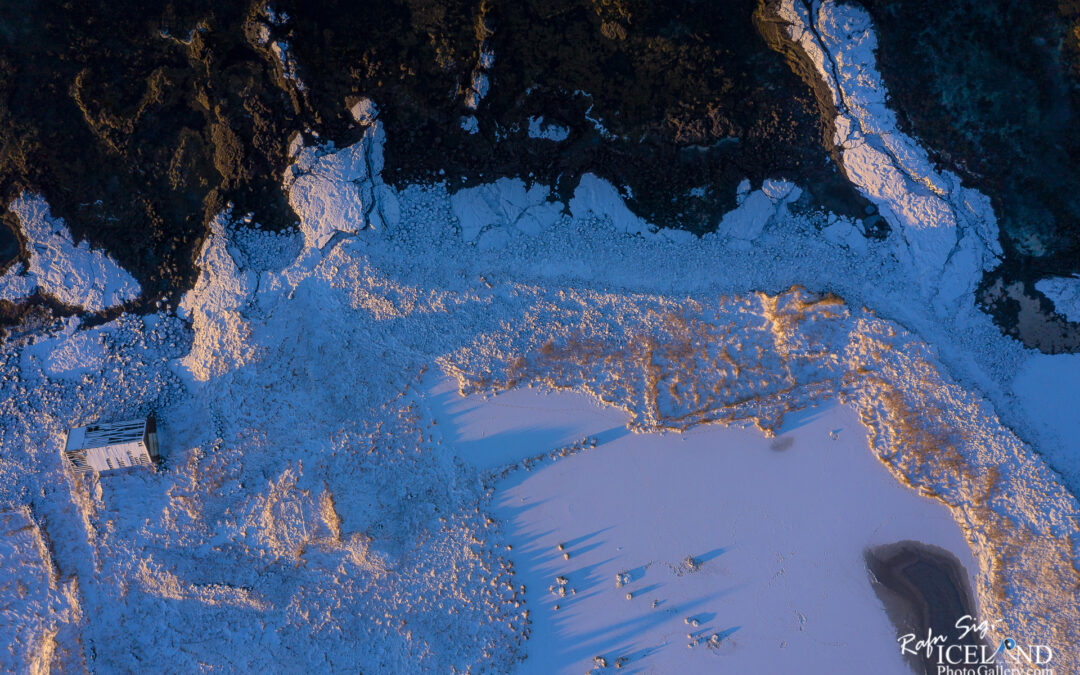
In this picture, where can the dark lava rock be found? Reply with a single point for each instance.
(688, 92)
(138, 121)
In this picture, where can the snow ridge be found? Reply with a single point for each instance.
(41, 612)
(945, 232)
(224, 288)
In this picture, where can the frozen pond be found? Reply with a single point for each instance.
(759, 541)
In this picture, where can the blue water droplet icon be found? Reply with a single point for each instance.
(1010, 643)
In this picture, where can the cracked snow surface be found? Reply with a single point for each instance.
(305, 516)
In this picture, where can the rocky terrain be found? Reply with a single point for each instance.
(178, 110)
(347, 253)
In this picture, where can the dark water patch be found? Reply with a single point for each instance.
(1023, 312)
(925, 589)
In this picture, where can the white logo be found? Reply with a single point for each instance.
(1008, 658)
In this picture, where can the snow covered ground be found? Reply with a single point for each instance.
(40, 611)
(305, 495)
(326, 502)
(1047, 389)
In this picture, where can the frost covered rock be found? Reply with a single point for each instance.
(946, 233)
(364, 111)
(469, 124)
(74, 274)
(296, 144)
(335, 191)
(480, 84)
(504, 203)
(598, 198)
(755, 209)
(742, 191)
(541, 129)
(1064, 292)
(16, 285)
(287, 63)
(477, 91)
